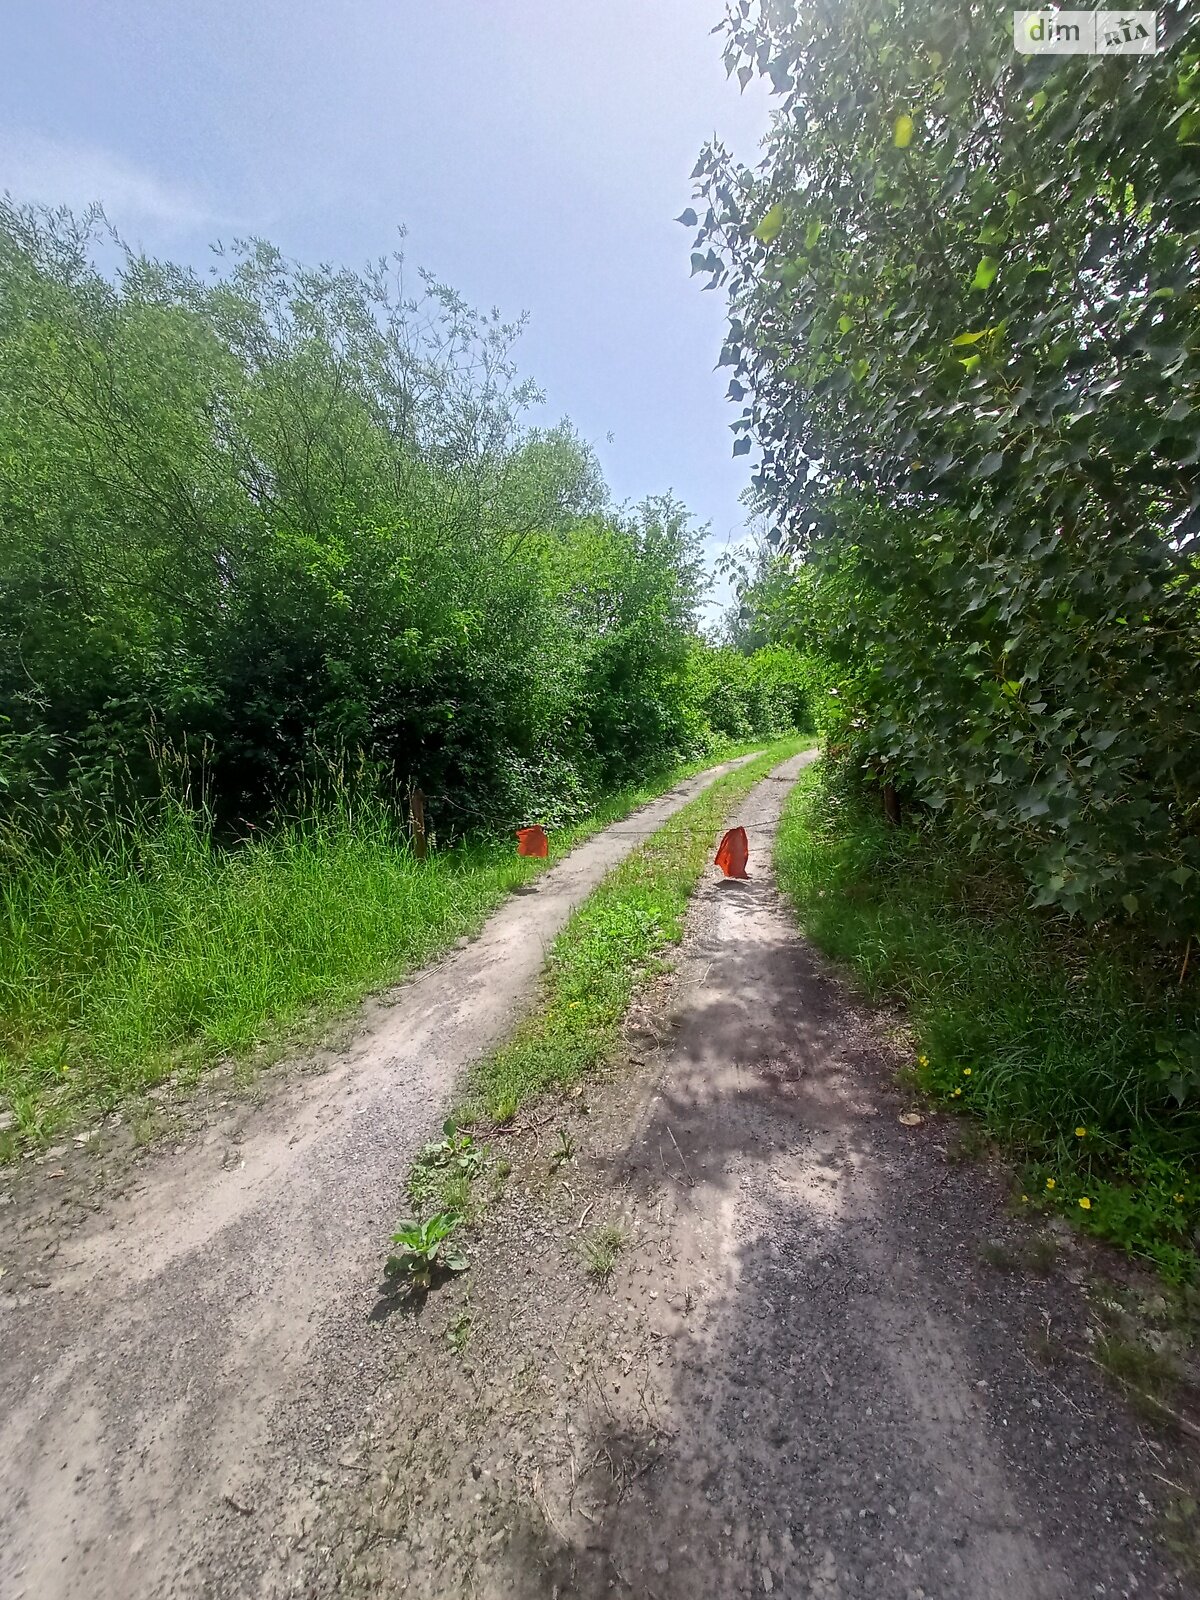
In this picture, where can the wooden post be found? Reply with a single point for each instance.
(416, 805)
(891, 805)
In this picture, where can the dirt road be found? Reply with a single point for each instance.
(181, 1367)
(806, 1376)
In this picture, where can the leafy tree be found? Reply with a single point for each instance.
(965, 326)
(278, 517)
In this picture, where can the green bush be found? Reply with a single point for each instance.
(738, 696)
(280, 516)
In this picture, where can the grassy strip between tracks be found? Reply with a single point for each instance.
(610, 944)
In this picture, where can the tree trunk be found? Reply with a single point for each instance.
(416, 804)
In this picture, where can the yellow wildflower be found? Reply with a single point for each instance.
(966, 1072)
(1050, 1183)
(957, 1092)
(1179, 1199)
(1024, 1199)
(1081, 1133)
(1085, 1203)
(922, 1061)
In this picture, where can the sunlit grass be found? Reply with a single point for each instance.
(136, 951)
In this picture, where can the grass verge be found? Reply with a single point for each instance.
(1070, 1044)
(608, 946)
(155, 951)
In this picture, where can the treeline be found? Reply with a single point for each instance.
(965, 330)
(276, 523)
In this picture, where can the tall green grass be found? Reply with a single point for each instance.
(1040, 1027)
(134, 951)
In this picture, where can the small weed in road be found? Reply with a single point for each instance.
(1181, 1531)
(446, 1168)
(1041, 1254)
(1044, 1347)
(1147, 1376)
(455, 1196)
(564, 1151)
(1036, 1255)
(1000, 1256)
(427, 1250)
(497, 1178)
(459, 1333)
(601, 1248)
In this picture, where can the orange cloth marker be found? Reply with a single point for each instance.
(532, 842)
(733, 852)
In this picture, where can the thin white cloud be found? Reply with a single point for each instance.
(56, 173)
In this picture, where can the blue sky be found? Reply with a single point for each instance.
(536, 154)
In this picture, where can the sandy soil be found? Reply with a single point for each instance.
(813, 1372)
(188, 1345)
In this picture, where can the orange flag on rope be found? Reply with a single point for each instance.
(532, 842)
(733, 852)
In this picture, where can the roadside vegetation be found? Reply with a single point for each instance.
(282, 549)
(1067, 1042)
(608, 947)
(965, 337)
(151, 948)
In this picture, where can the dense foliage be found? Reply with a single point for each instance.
(278, 519)
(965, 322)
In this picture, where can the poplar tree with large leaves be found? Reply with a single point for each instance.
(964, 290)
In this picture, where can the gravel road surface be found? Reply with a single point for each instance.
(831, 1361)
(180, 1370)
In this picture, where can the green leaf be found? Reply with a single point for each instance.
(985, 273)
(845, 323)
(771, 225)
(970, 338)
(812, 233)
(902, 133)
